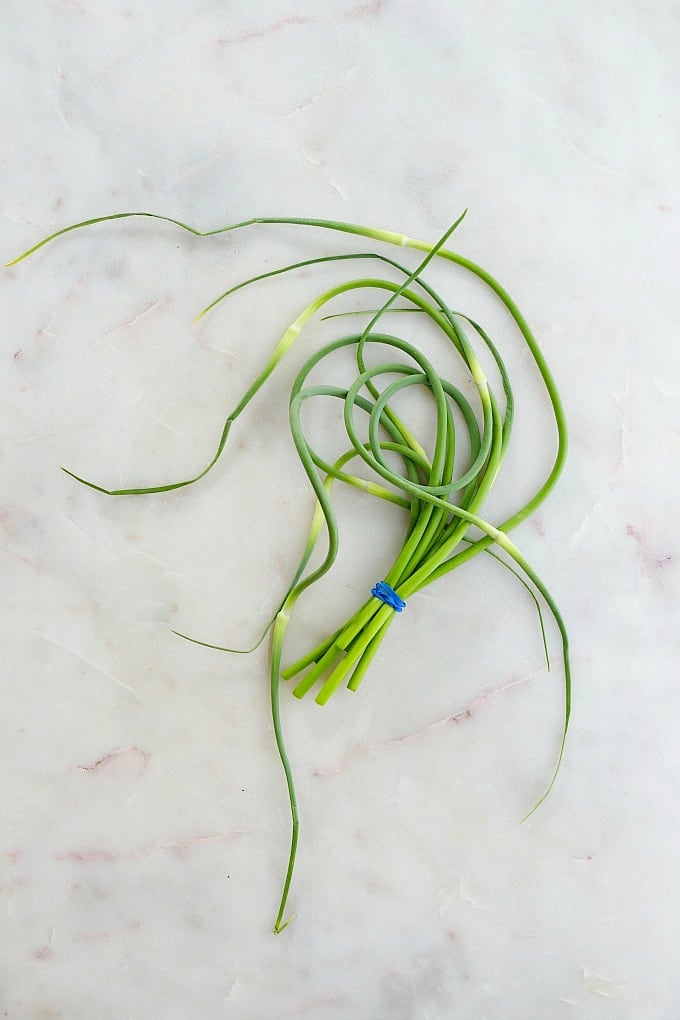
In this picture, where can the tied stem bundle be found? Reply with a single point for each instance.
(440, 500)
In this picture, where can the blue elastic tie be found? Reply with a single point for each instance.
(384, 593)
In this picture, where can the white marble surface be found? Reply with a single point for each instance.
(144, 824)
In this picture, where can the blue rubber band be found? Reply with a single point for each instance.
(384, 593)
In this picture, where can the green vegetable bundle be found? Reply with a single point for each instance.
(441, 499)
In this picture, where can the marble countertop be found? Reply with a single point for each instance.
(144, 827)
